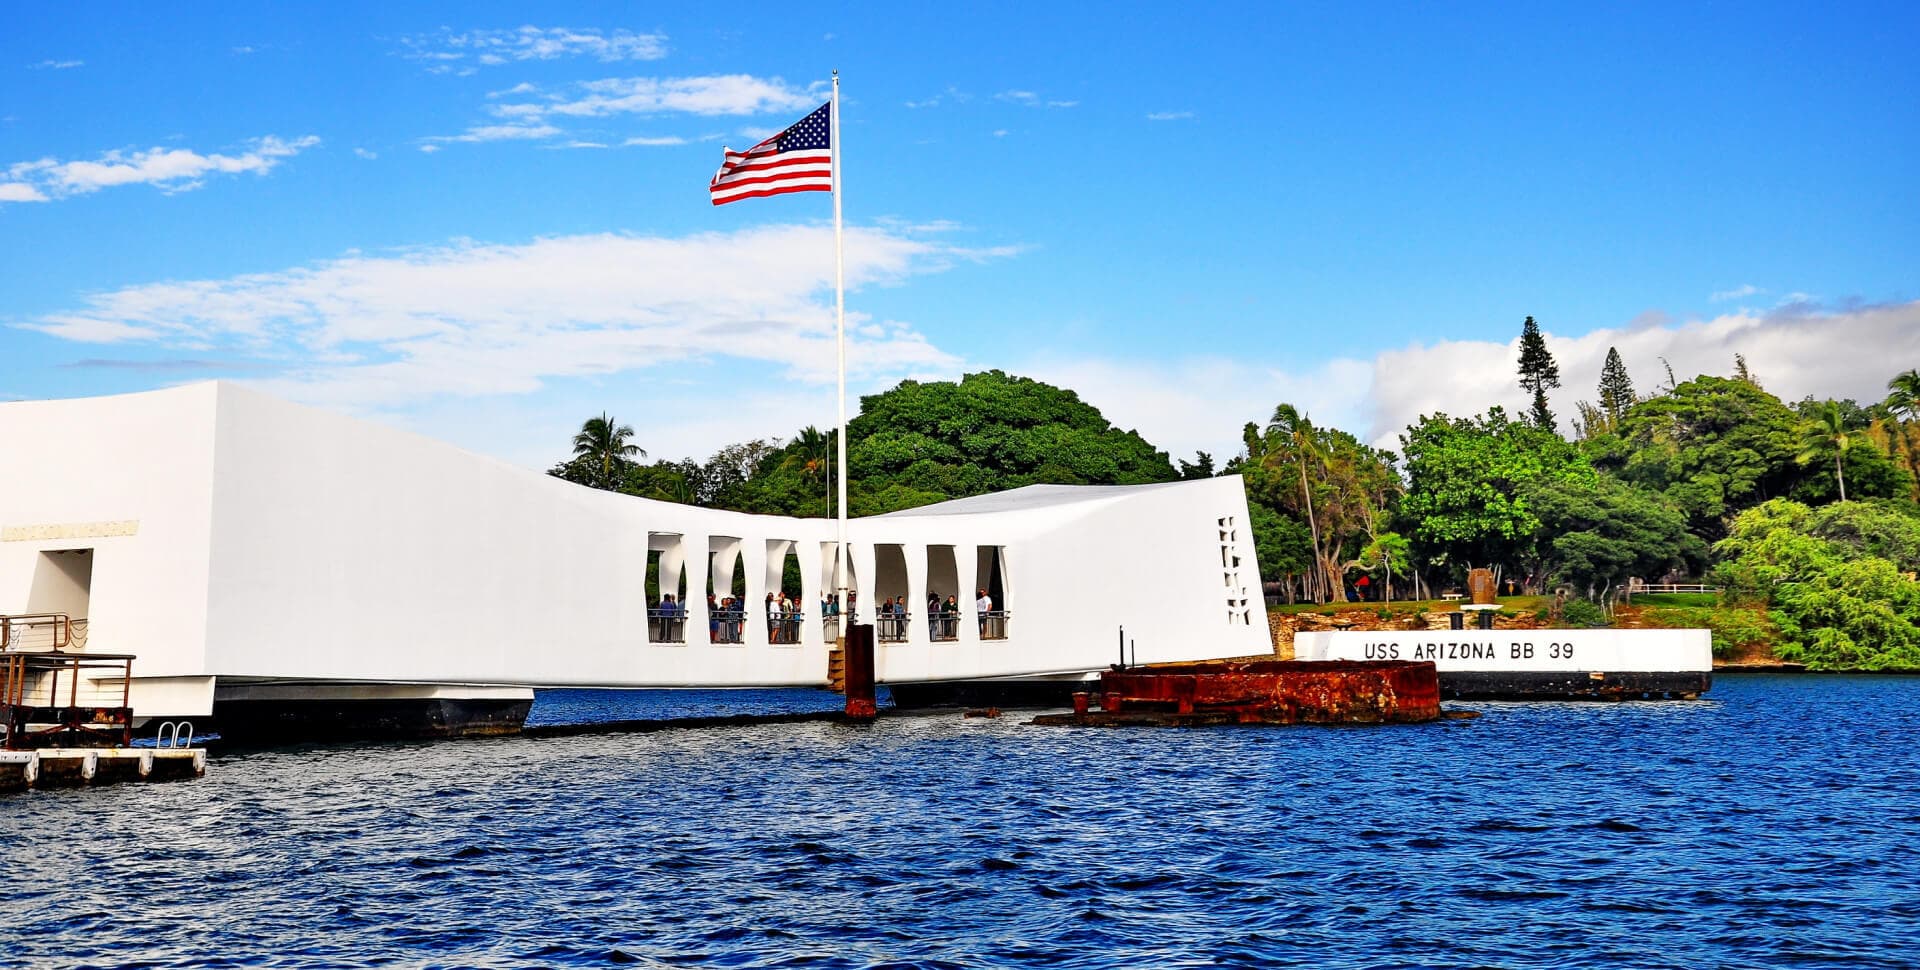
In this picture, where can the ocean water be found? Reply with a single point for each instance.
(1775, 824)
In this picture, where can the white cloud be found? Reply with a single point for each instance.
(999, 133)
(429, 148)
(1031, 100)
(1169, 116)
(1200, 403)
(170, 169)
(1194, 404)
(471, 320)
(529, 43)
(655, 142)
(524, 87)
(51, 65)
(484, 133)
(1739, 292)
(579, 144)
(725, 94)
(20, 192)
(1794, 352)
(364, 153)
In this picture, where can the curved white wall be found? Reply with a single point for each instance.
(279, 541)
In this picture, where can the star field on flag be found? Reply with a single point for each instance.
(799, 159)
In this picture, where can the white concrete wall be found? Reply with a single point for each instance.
(278, 541)
(129, 477)
(1514, 651)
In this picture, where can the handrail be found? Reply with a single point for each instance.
(892, 627)
(993, 624)
(16, 627)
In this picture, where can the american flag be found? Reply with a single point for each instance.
(799, 159)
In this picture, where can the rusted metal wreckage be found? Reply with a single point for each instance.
(1259, 692)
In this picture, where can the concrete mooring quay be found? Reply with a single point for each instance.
(1259, 692)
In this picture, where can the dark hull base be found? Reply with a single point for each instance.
(1521, 686)
(287, 721)
(987, 693)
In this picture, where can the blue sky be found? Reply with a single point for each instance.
(485, 222)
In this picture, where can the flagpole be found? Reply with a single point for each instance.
(840, 340)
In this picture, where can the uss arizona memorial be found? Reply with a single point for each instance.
(256, 554)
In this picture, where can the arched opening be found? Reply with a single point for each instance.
(726, 591)
(831, 608)
(783, 607)
(892, 613)
(945, 599)
(990, 597)
(666, 588)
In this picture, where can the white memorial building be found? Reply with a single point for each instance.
(249, 550)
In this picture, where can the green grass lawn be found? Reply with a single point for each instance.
(1677, 599)
(1513, 604)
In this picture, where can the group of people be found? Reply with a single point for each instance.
(669, 619)
(783, 618)
(943, 615)
(726, 617)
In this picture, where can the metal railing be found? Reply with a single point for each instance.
(666, 625)
(892, 627)
(39, 631)
(65, 699)
(784, 627)
(1635, 589)
(993, 624)
(725, 626)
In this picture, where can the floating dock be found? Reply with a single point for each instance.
(1259, 692)
(65, 722)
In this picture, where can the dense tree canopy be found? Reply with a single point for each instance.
(1596, 532)
(1712, 446)
(1340, 489)
(1837, 600)
(1467, 485)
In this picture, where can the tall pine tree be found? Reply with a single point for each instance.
(1538, 372)
(1616, 390)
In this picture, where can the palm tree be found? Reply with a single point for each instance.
(1829, 429)
(812, 455)
(1297, 430)
(1905, 399)
(606, 442)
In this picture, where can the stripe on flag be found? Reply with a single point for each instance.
(799, 159)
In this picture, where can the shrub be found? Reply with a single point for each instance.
(1581, 614)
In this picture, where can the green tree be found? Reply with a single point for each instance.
(1466, 481)
(1340, 488)
(1837, 604)
(1713, 446)
(1827, 431)
(1200, 467)
(1616, 389)
(608, 445)
(1903, 398)
(1597, 532)
(925, 442)
(1538, 372)
(1281, 546)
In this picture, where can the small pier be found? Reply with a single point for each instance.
(65, 722)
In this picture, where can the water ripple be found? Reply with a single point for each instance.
(1770, 826)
